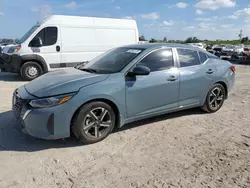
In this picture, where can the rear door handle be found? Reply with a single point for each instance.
(210, 71)
(171, 78)
(58, 48)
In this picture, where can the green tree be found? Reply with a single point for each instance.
(152, 40)
(244, 39)
(189, 40)
(192, 40)
(142, 38)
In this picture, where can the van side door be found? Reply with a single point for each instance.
(50, 46)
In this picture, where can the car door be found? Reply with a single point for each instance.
(157, 91)
(196, 76)
(51, 47)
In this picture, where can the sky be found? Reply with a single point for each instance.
(204, 19)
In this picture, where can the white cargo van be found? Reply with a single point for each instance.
(65, 41)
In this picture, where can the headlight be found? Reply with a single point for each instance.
(51, 101)
(12, 49)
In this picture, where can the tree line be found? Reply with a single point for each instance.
(244, 40)
(6, 40)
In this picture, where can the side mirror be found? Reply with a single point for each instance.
(139, 71)
(37, 42)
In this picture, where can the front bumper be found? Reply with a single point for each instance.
(10, 63)
(48, 123)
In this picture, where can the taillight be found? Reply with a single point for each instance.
(18, 48)
(233, 69)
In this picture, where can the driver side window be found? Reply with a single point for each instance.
(48, 36)
(158, 60)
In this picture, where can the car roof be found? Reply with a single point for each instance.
(159, 45)
(152, 46)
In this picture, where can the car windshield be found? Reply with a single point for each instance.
(112, 61)
(26, 36)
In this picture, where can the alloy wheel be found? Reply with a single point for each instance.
(97, 122)
(216, 98)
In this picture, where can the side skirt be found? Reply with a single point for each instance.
(180, 108)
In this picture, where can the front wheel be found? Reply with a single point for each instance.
(94, 122)
(215, 99)
(31, 70)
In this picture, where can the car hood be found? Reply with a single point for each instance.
(62, 81)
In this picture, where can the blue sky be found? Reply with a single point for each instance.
(205, 19)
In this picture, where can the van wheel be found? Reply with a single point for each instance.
(31, 70)
(94, 122)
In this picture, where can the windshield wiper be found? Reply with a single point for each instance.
(89, 70)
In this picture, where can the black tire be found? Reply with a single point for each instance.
(83, 132)
(26, 73)
(210, 106)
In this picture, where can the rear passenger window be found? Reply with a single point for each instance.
(188, 57)
(203, 57)
(158, 60)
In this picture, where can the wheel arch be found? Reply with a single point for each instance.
(36, 58)
(225, 86)
(118, 122)
(216, 82)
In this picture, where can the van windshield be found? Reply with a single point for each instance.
(112, 61)
(26, 36)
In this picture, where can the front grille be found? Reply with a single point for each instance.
(18, 105)
(217, 49)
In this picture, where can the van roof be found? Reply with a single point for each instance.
(88, 21)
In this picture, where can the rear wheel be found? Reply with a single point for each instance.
(215, 99)
(94, 122)
(31, 70)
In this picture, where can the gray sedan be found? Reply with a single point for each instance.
(121, 86)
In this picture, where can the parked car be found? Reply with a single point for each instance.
(121, 86)
(231, 50)
(209, 47)
(227, 51)
(218, 48)
(239, 50)
(2, 45)
(65, 41)
(199, 45)
(247, 50)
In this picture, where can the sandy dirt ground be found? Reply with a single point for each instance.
(188, 149)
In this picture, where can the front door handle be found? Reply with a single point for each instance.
(210, 71)
(171, 78)
(58, 48)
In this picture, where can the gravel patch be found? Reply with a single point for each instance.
(186, 149)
